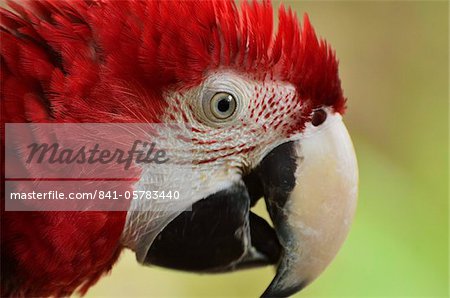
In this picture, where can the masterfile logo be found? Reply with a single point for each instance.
(96, 166)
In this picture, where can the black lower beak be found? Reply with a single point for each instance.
(220, 234)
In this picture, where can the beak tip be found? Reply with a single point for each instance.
(276, 290)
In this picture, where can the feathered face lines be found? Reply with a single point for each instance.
(236, 118)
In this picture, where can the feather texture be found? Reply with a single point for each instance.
(112, 61)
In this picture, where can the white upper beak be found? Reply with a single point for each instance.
(320, 209)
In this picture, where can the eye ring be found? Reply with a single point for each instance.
(222, 106)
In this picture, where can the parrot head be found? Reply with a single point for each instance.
(266, 120)
(264, 106)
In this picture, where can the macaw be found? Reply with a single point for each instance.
(265, 104)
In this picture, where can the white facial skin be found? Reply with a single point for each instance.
(223, 149)
(262, 106)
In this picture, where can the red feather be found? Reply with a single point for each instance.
(111, 61)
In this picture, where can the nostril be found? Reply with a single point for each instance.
(318, 117)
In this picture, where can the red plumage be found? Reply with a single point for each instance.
(112, 61)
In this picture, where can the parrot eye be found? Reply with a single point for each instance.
(222, 106)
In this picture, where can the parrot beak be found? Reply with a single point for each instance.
(309, 184)
(310, 189)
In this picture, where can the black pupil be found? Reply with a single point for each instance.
(223, 105)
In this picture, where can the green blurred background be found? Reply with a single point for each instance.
(394, 69)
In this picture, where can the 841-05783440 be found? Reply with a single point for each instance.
(140, 195)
